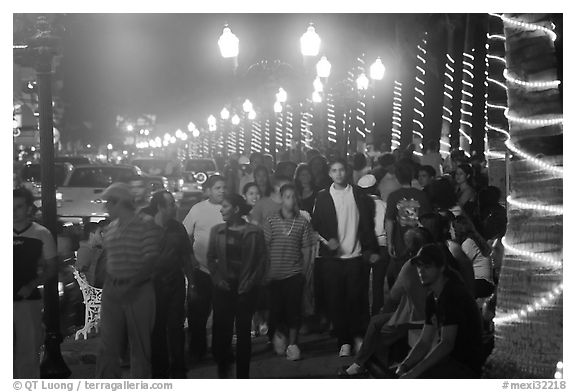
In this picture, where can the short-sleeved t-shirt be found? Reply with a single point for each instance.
(33, 244)
(285, 239)
(198, 223)
(482, 264)
(403, 207)
(456, 306)
(263, 209)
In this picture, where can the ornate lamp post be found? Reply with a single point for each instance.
(43, 48)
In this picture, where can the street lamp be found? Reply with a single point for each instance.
(235, 120)
(277, 107)
(377, 70)
(191, 126)
(316, 97)
(318, 86)
(362, 82)
(109, 148)
(247, 106)
(129, 127)
(211, 121)
(252, 115)
(195, 132)
(281, 96)
(310, 42)
(228, 43)
(224, 115)
(323, 67)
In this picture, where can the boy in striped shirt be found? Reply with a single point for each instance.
(289, 240)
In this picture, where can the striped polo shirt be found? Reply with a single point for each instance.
(128, 246)
(285, 239)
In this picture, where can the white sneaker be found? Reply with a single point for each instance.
(345, 350)
(357, 345)
(279, 342)
(293, 353)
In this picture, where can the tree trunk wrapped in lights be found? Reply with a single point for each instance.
(529, 311)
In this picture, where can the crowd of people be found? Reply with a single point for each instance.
(397, 257)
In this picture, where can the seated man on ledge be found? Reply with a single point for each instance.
(450, 345)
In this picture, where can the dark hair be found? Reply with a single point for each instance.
(299, 169)
(467, 169)
(464, 229)
(386, 160)
(255, 155)
(431, 254)
(237, 201)
(288, 187)
(442, 195)
(339, 160)
(248, 186)
(432, 145)
(24, 193)
(404, 173)
(359, 161)
(421, 237)
(212, 180)
(279, 179)
(158, 200)
(262, 168)
(489, 196)
(428, 169)
(432, 221)
(446, 219)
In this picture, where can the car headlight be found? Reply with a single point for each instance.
(59, 196)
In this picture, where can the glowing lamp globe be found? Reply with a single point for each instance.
(247, 106)
(252, 115)
(195, 133)
(362, 82)
(282, 96)
(228, 43)
(277, 107)
(310, 42)
(110, 147)
(318, 86)
(235, 119)
(191, 126)
(323, 67)
(211, 120)
(224, 114)
(377, 70)
(316, 97)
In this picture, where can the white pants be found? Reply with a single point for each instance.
(28, 336)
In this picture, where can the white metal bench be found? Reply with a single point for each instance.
(92, 300)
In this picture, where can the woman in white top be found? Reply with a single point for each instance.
(478, 251)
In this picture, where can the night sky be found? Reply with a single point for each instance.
(170, 65)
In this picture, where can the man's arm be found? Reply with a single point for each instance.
(441, 350)
(389, 227)
(420, 350)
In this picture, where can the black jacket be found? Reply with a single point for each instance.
(325, 221)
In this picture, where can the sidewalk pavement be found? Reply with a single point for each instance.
(319, 359)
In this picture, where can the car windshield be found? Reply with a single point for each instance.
(157, 167)
(200, 165)
(100, 177)
(32, 173)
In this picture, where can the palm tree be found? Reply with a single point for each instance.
(529, 311)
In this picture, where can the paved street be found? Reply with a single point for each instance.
(319, 359)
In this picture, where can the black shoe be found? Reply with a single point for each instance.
(342, 373)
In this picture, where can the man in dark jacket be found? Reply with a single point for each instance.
(344, 218)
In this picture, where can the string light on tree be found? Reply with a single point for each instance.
(558, 210)
(527, 26)
(536, 85)
(517, 316)
(535, 121)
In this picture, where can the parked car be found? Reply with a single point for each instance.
(30, 177)
(73, 160)
(158, 167)
(79, 198)
(196, 172)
